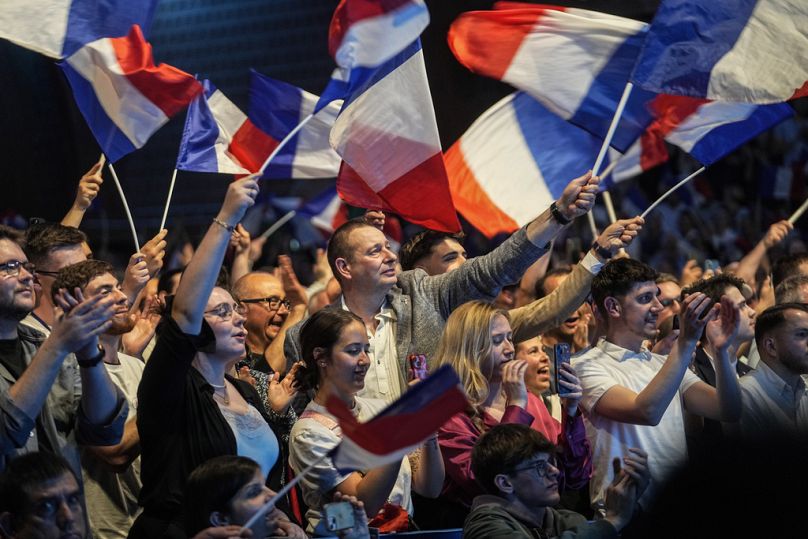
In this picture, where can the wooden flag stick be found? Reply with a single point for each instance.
(125, 207)
(671, 190)
(168, 200)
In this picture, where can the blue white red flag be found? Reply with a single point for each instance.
(575, 62)
(276, 108)
(326, 210)
(58, 28)
(123, 96)
(516, 157)
(215, 129)
(752, 51)
(401, 427)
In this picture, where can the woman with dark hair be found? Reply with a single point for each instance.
(334, 346)
(190, 409)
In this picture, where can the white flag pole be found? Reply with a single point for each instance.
(592, 226)
(671, 190)
(277, 224)
(283, 142)
(168, 200)
(797, 214)
(607, 198)
(125, 207)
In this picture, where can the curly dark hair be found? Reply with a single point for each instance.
(321, 330)
(78, 275)
(618, 277)
(421, 245)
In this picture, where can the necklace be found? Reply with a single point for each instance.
(224, 398)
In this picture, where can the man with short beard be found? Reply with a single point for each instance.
(111, 474)
(29, 365)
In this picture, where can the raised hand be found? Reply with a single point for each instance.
(295, 292)
(777, 233)
(620, 234)
(578, 196)
(690, 273)
(77, 322)
(568, 379)
(360, 527)
(696, 313)
(146, 321)
(513, 383)
(154, 251)
(89, 186)
(281, 393)
(240, 240)
(135, 276)
(723, 330)
(239, 198)
(375, 218)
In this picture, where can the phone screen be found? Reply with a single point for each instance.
(561, 354)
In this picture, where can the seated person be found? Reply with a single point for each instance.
(516, 467)
(334, 347)
(477, 344)
(40, 497)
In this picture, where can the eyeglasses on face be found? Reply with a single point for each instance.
(12, 268)
(225, 310)
(668, 302)
(272, 302)
(542, 467)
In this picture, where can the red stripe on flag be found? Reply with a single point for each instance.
(672, 110)
(251, 146)
(800, 92)
(471, 200)
(169, 88)
(653, 151)
(420, 196)
(486, 41)
(349, 12)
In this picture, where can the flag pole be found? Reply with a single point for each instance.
(168, 200)
(277, 224)
(267, 507)
(125, 206)
(671, 190)
(592, 226)
(797, 214)
(607, 198)
(283, 142)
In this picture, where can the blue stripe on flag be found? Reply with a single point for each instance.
(89, 20)
(363, 78)
(112, 140)
(686, 39)
(198, 145)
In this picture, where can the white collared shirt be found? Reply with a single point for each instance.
(769, 403)
(384, 379)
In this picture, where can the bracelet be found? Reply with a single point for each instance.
(229, 228)
(93, 361)
(557, 214)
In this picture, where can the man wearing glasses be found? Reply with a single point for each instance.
(29, 365)
(516, 466)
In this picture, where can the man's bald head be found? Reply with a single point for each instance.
(263, 323)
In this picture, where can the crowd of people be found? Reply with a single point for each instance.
(175, 402)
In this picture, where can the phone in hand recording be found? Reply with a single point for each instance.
(561, 354)
(338, 516)
(418, 367)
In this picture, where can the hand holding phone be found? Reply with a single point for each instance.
(418, 367)
(338, 516)
(561, 355)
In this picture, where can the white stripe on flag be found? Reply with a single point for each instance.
(706, 118)
(39, 25)
(314, 157)
(131, 111)
(229, 119)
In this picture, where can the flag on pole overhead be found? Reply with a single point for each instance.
(276, 108)
(749, 50)
(516, 157)
(58, 28)
(210, 140)
(386, 132)
(325, 210)
(122, 95)
(575, 62)
(401, 427)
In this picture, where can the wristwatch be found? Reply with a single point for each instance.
(557, 214)
(602, 252)
(93, 361)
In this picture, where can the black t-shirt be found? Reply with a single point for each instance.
(11, 356)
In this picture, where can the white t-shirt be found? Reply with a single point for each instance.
(771, 405)
(310, 439)
(599, 369)
(112, 497)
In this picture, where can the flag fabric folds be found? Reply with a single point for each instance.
(401, 427)
(58, 28)
(575, 62)
(748, 50)
(513, 161)
(325, 210)
(122, 95)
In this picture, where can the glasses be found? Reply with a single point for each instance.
(48, 273)
(273, 302)
(225, 311)
(542, 467)
(13, 268)
(668, 302)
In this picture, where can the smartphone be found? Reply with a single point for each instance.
(561, 354)
(338, 516)
(418, 366)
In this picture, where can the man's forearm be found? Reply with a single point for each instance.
(658, 394)
(727, 388)
(99, 398)
(31, 390)
(543, 229)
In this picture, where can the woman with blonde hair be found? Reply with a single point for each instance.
(477, 342)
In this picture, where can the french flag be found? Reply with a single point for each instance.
(58, 28)
(210, 140)
(401, 427)
(750, 51)
(516, 157)
(575, 62)
(276, 108)
(386, 132)
(326, 210)
(122, 95)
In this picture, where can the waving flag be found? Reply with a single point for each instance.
(325, 211)
(401, 427)
(516, 157)
(214, 129)
(58, 28)
(123, 96)
(575, 62)
(276, 108)
(748, 50)
(386, 132)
